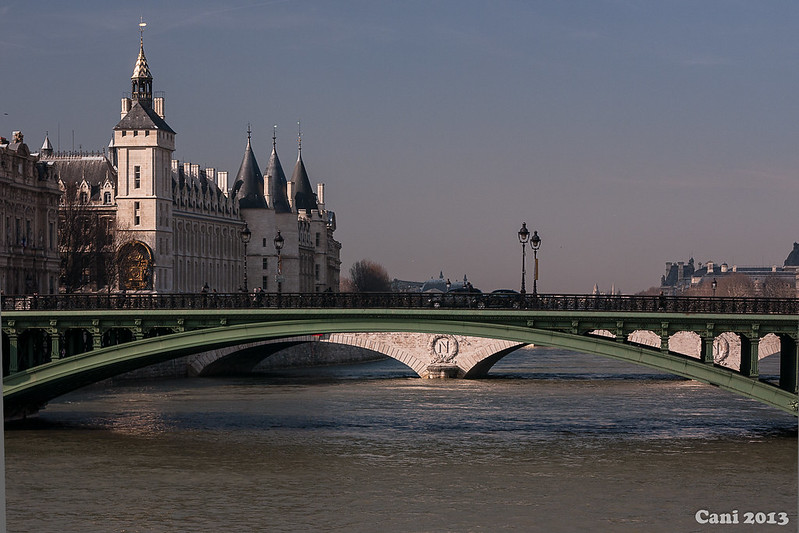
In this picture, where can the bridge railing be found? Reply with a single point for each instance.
(548, 302)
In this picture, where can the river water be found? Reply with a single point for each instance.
(552, 441)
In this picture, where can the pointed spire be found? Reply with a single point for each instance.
(304, 197)
(249, 184)
(142, 80)
(276, 180)
(47, 148)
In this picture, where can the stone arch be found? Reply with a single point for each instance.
(472, 358)
(136, 266)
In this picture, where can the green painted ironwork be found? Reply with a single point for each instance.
(158, 335)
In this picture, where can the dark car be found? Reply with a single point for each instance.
(505, 299)
(464, 297)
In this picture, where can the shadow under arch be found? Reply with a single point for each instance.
(36, 386)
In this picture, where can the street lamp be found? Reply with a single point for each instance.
(713, 286)
(279, 241)
(524, 236)
(535, 243)
(245, 235)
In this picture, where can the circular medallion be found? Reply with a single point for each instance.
(443, 348)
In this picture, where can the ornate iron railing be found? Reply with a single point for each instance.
(549, 302)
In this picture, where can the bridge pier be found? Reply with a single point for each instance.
(443, 371)
(749, 350)
(13, 353)
(706, 346)
(55, 341)
(789, 363)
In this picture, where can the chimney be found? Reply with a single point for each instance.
(125, 107)
(320, 195)
(221, 180)
(158, 106)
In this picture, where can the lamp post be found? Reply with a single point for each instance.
(245, 235)
(535, 243)
(279, 241)
(713, 286)
(524, 236)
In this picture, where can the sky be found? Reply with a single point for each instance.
(627, 133)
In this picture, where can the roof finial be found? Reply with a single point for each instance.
(142, 24)
(299, 136)
(249, 131)
(274, 136)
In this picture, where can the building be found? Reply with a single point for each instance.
(29, 261)
(685, 278)
(177, 228)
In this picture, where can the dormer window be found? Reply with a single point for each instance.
(107, 198)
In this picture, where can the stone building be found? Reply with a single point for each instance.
(29, 261)
(177, 227)
(681, 277)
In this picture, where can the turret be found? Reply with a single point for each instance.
(276, 186)
(303, 196)
(249, 184)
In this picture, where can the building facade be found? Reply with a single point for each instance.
(29, 261)
(178, 228)
(690, 278)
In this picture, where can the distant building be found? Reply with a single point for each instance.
(438, 284)
(29, 261)
(681, 277)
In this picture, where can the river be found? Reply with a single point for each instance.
(552, 441)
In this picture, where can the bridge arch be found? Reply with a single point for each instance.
(39, 385)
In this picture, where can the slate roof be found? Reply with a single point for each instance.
(276, 181)
(249, 183)
(304, 197)
(142, 117)
(95, 170)
(793, 257)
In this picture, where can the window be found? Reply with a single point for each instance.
(124, 133)
(317, 240)
(107, 198)
(265, 265)
(136, 214)
(84, 198)
(265, 282)
(264, 242)
(137, 176)
(316, 272)
(135, 133)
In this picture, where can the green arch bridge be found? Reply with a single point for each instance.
(55, 344)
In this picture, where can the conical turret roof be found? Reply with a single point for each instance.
(141, 69)
(276, 182)
(47, 148)
(249, 184)
(304, 197)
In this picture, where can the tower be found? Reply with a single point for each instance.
(144, 143)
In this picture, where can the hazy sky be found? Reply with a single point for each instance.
(628, 133)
